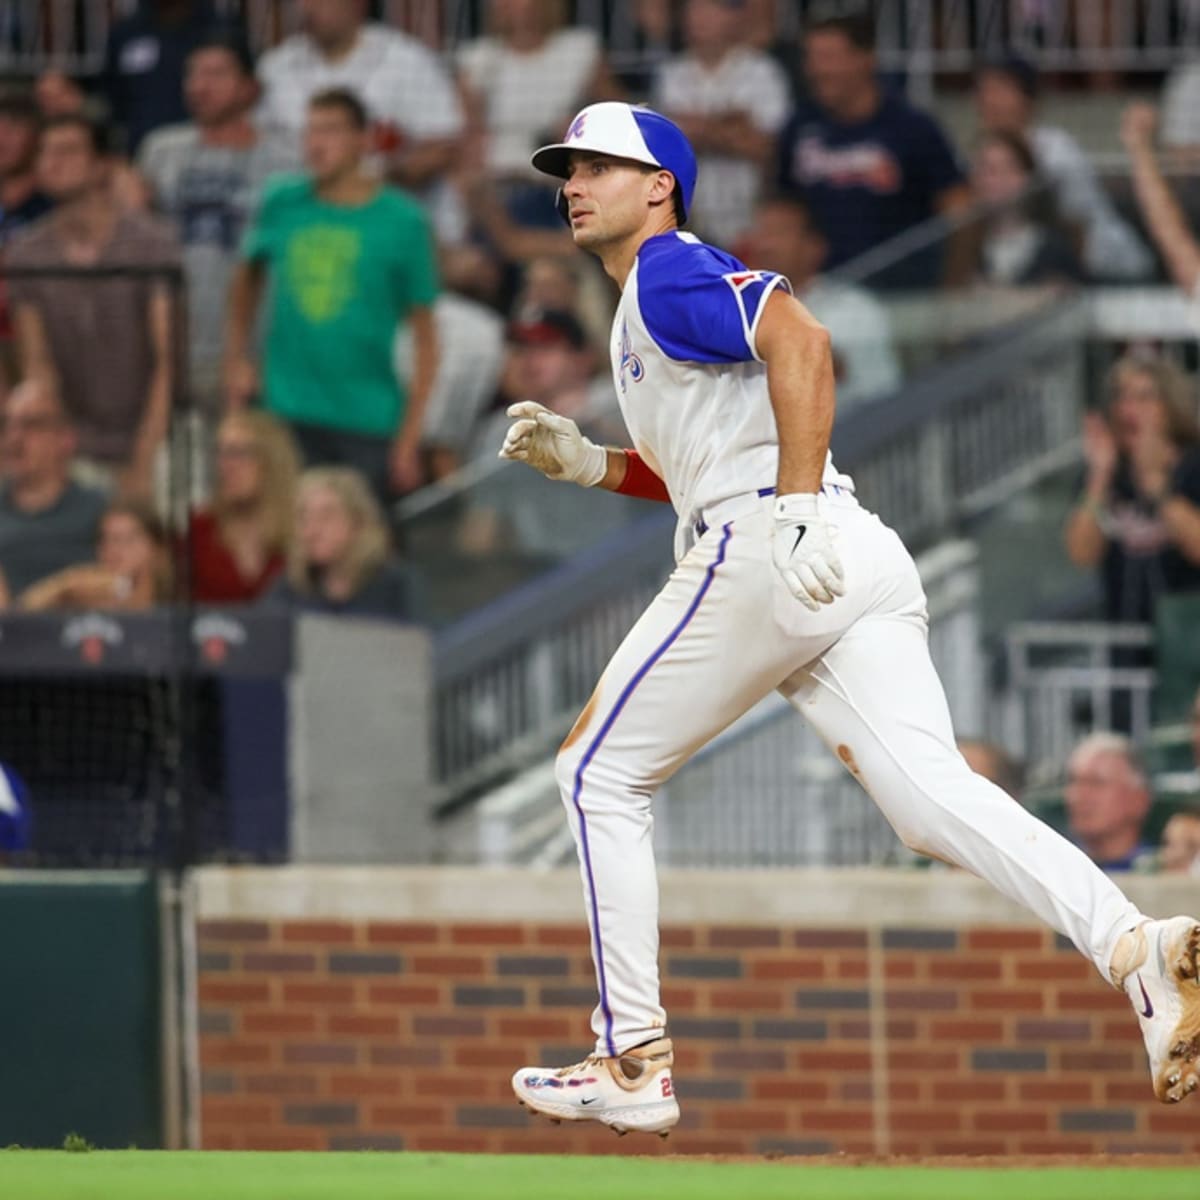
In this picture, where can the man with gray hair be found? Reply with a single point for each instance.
(1108, 799)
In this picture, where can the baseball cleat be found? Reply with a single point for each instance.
(633, 1092)
(1159, 971)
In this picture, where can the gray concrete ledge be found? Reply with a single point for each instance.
(839, 897)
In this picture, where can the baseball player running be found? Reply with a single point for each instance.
(782, 581)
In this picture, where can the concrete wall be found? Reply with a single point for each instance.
(813, 1012)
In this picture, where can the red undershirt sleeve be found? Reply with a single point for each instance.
(641, 481)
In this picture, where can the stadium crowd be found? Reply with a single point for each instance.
(373, 273)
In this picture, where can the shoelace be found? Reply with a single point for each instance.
(592, 1060)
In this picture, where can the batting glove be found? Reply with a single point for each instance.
(553, 445)
(802, 549)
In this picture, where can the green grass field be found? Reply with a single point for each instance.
(146, 1175)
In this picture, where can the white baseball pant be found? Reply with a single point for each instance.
(723, 633)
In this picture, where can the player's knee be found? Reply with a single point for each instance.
(916, 836)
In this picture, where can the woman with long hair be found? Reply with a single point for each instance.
(1018, 238)
(131, 572)
(239, 544)
(1138, 517)
(340, 558)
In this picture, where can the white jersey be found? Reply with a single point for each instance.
(692, 388)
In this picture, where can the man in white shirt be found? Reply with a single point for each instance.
(731, 101)
(206, 176)
(1005, 99)
(785, 239)
(414, 109)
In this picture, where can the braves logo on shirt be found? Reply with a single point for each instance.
(629, 360)
(869, 165)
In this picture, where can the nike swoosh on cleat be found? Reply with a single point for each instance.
(590, 1100)
(1148, 1011)
(800, 532)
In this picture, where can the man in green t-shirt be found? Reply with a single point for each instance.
(349, 260)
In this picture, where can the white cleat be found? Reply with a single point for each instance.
(633, 1092)
(1159, 970)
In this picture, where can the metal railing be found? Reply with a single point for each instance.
(970, 433)
(921, 39)
(510, 680)
(1066, 679)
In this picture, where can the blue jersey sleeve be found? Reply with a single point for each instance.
(700, 304)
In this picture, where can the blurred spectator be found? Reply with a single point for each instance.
(239, 544)
(131, 571)
(523, 83)
(1179, 850)
(651, 37)
(470, 338)
(144, 64)
(1006, 93)
(1108, 799)
(349, 259)
(1161, 213)
(731, 101)
(1181, 115)
(1017, 239)
(59, 95)
(206, 176)
(784, 238)
(105, 341)
(1138, 518)
(572, 284)
(869, 164)
(549, 363)
(339, 561)
(994, 764)
(47, 520)
(416, 118)
(21, 200)
(549, 283)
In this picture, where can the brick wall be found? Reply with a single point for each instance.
(793, 1039)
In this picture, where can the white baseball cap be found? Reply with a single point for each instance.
(625, 131)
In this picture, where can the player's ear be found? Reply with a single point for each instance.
(662, 186)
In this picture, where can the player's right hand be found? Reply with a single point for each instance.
(803, 552)
(553, 444)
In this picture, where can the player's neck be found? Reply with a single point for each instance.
(618, 257)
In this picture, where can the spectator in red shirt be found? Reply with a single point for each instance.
(240, 543)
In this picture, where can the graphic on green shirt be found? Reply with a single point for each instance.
(321, 264)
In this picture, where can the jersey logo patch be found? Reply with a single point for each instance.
(740, 280)
(629, 361)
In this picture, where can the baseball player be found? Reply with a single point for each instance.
(782, 581)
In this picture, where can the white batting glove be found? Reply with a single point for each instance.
(802, 549)
(553, 445)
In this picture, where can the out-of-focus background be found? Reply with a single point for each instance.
(285, 651)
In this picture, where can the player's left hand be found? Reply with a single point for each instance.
(803, 552)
